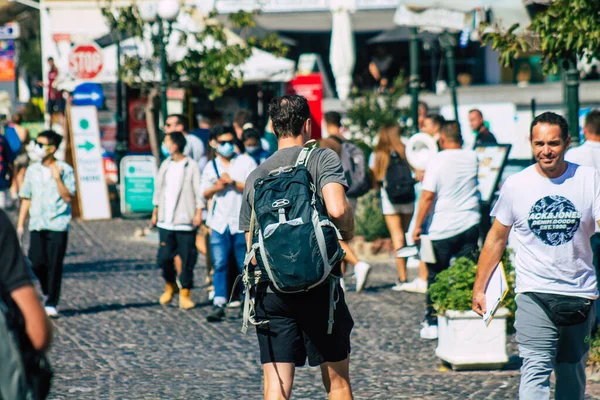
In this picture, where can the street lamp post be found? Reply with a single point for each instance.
(448, 42)
(414, 80)
(163, 16)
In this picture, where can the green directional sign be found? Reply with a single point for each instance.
(137, 184)
(87, 146)
(84, 123)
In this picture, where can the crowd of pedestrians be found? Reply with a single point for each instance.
(261, 204)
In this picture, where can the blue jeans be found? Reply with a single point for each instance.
(545, 347)
(222, 245)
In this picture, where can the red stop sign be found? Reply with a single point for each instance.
(85, 61)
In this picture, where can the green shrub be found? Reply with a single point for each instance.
(594, 354)
(369, 221)
(453, 288)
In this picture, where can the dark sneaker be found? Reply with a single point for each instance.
(216, 315)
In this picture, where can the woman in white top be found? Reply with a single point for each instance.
(390, 149)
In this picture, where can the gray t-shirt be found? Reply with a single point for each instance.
(323, 165)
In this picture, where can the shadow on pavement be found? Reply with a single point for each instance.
(118, 265)
(105, 307)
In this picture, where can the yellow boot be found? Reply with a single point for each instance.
(185, 300)
(167, 296)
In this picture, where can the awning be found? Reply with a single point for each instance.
(454, 15)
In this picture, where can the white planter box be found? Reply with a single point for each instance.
(466, 343)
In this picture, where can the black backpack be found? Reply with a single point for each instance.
(399, 182)
(355, 170)
(295, 244)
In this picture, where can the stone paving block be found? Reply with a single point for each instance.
(114, 341)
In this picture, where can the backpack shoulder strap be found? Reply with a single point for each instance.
(305, 152)
(214, 163)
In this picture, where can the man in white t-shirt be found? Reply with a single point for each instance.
(588, 154)
(178, 208)
(223, 182)
(552, 208)
(450, 194)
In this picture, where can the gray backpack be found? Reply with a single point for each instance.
(355, 170)
(295, 243)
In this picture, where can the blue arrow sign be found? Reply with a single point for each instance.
(88, 94)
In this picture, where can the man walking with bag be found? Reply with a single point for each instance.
(553, 208)
(177, 214)
(293, 206)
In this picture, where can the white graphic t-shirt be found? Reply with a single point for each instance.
(553, 220)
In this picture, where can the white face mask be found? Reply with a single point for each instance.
(36, 153)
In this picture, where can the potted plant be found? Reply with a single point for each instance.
(464, 341)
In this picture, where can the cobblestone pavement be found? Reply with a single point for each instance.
(113, 340)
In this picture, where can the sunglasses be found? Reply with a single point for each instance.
(225, 141)
(42, 145)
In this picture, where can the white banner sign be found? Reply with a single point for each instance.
(89, 167)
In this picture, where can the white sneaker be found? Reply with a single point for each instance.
(361, 272)
(343, 284)
(407, 252)
(416, 286)
(398, 286)
(51, 311)
(234, 304)
(429, 332)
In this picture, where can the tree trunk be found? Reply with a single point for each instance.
(153, 132)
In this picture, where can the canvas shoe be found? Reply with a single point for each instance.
(51, 312)
(416, 286)
(216, 315)
(361, 272)
(234, 304)
(429, 332)
(398, 286)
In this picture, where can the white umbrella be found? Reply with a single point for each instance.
(342, 52)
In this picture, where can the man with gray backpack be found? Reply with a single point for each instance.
(357, 177)
(294, 214)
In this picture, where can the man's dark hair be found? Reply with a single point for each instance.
(333, 118)
(219, 130)
(592, 122)
(242, 117)
(551, 119)
(179, 139)
(18, 119)
(181, 120)
(436, 118)
(423, 104)
(451, 131)
(54, 139)
(50, 59)
(477, 111)
(251, 134)
(288, 114)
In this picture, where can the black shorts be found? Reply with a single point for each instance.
(297, 327)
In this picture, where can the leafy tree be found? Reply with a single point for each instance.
(212, 63)
(371, 110)
(565, 31)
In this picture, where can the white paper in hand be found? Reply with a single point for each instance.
(426, 250)
(494, 293)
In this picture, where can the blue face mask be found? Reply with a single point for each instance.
(164, 150)
(226, 149)
(253, 149)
